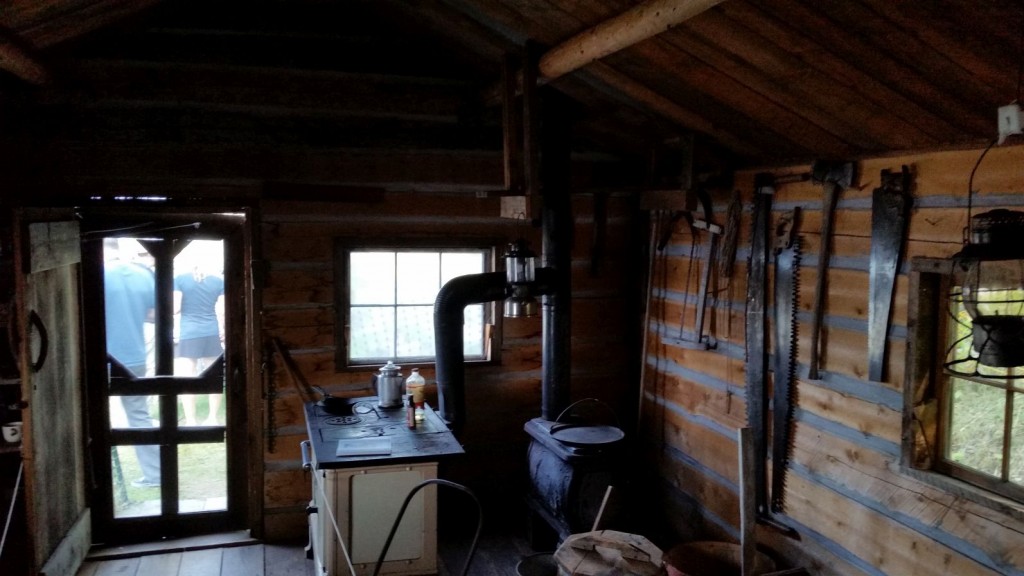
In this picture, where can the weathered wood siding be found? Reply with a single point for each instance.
(299, 309)
(855, 510)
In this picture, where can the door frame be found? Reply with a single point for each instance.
(243, 392)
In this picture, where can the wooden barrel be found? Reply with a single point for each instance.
(711, 559)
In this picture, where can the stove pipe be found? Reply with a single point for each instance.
(553, 282)
(449, 308)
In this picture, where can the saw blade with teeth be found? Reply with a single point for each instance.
(786, 301)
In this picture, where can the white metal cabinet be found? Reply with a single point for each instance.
(360, 505)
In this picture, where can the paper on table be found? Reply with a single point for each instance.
(364, 446)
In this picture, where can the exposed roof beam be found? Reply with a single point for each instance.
(70, 20)
(646, 98)
(17, 60)
(639, 23)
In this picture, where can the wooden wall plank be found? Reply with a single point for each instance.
(289, 487)
(685, 433)
(846, 493)
(716, 497)
(876, 540)
(863, 416)
(296, 91)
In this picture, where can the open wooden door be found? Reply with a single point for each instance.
(48, 256)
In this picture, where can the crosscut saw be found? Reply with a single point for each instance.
(784, 334)
(756, 334)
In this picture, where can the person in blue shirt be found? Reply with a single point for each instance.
(129, 296)
(199, 298)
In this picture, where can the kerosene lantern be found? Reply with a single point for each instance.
(520, 263)
(988, 292)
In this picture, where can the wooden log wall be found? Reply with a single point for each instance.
(856, 511)
(298, 308)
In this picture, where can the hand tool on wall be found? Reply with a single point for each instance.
(698, 339)
(834, 177)
(727, 258)
(755, 334)
(785, 296)
(890, 206)
(296, 379)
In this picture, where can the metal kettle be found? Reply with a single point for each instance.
(388, 382)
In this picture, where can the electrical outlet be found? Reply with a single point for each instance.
(1009, 121)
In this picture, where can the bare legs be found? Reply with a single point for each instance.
(194, 367)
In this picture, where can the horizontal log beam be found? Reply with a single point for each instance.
(634, 25)
(16, 59)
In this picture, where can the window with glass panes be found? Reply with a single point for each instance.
(388, 302)
(963, 420)
(982, 417)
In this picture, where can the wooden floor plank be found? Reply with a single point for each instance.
(286, 560)
(201, 562)
(160, 564)
(243, 561)
(88, 568)
(502, 545)
(119, 567)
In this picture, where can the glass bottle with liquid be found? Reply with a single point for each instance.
(414, 385)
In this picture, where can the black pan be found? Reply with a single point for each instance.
(333, 404)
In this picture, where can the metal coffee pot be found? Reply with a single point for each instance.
(388, 382)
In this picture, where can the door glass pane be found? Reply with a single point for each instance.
(134, 494)
(130, 295)
(198, 309)
(202, 477)
(134, 412)
(199, 325)
(1017, 442)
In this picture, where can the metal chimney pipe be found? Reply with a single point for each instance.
(556, 235)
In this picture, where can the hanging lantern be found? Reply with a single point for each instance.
(520, 263)
(987, 296)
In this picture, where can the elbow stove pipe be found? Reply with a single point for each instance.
(449, 307)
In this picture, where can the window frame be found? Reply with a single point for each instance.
(927, 391)
(492, 320)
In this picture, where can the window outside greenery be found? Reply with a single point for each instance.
(984, 417)
(391, 293)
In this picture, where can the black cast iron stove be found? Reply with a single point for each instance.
(571, 468)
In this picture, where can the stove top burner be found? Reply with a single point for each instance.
(342, 420)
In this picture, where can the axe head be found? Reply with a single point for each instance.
(838, 173)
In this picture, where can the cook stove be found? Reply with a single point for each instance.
(357, 498)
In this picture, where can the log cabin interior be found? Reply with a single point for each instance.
(776, 280)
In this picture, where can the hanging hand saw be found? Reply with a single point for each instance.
(786, 296)
(756, 334)
(890, 205)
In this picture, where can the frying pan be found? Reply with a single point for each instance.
(335, 405)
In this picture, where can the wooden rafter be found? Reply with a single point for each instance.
(17, 60)
(639, 23)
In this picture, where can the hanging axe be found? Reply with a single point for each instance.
(834, 177)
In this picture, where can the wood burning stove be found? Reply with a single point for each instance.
(571, 467)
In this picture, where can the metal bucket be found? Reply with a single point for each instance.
(539, 564)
